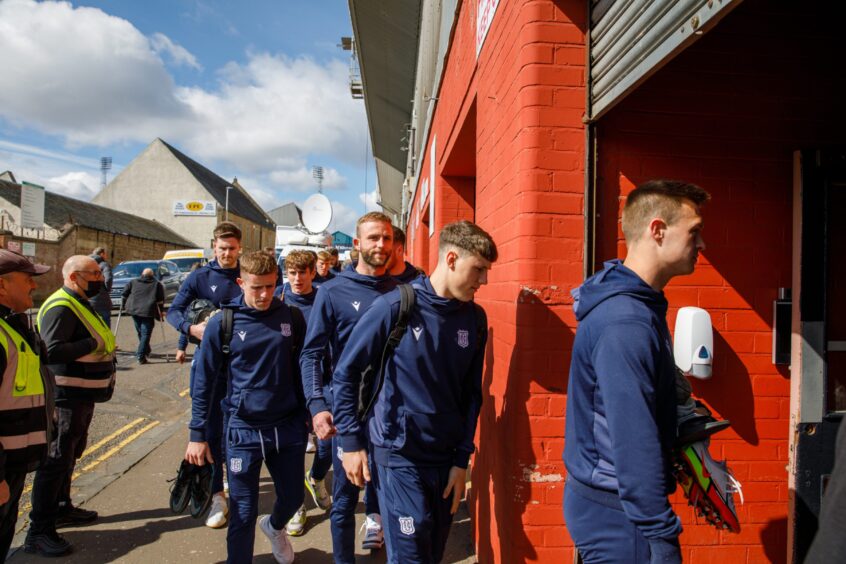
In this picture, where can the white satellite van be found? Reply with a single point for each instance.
(312, 235)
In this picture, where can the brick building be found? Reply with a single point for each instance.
(535, 119)
(73, 227)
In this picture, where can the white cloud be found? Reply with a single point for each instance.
(92, 79)
(371, 199)
(79, 185)
(343, 218)
(178, 54)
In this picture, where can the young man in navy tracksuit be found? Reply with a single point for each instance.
(621, 401)
(422, 425)
(218, 282)
(323, 269)
(339, 305)
(300, 293)
(267, 418)
(398, 267)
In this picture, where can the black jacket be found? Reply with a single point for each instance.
(103, 300)
(144, 297)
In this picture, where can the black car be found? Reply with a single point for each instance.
(165, 271)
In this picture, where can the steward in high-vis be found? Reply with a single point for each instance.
(81, 356)
(26, 390)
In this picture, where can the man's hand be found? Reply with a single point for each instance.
(456, 484)
(198, 453)
(4, 492)
(198, 330)
(356, 467)
(180, 357)
(323, 425)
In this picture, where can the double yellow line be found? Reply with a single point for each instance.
(106, 455)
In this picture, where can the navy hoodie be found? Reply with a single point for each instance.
(621, 406)
(303, 302)
(210, 282)
(339, 305)
(320, 280)
(409, 275)
(264, 385)
(427, 410)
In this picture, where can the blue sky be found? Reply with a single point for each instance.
(254, 89)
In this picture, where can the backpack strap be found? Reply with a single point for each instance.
(226, 330)
(367, 392)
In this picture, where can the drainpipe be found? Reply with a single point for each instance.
(589, 263)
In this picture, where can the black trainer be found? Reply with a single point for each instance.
(201, 494)
(46, 543)
(180, 488)
(70, 516)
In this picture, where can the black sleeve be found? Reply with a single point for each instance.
(57, 328)
(160, 297)
(299, 330)
(2, 452)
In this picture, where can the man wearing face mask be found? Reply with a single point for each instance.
(81, 355)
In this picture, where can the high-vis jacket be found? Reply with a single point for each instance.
(25, 404)
(91, 376)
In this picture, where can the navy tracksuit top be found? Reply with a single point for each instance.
(427, 411)
(621, 400)
(340, 303)
(264, 385)
(303, 302)
(207, 282)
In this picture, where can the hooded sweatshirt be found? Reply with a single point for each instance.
(303, 302)
(210, 282)
(621, 412)
(409, 275)
(339, 305)
(264, 386)
(426, 412)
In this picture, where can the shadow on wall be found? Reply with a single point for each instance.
(518, 475)
(772, 539)
(729, 373)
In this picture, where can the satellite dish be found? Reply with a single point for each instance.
(317, 213)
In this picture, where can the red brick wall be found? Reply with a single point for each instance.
(526, 96)
(727, 114)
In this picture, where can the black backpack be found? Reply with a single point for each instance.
(367, 395)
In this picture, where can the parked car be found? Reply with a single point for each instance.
(167, 272)
(187, 258)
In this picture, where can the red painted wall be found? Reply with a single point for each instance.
(727, 114)
(514, 119)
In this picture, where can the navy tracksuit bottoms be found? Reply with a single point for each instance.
(600, 529)
(245, 450)
(415, 517)
(344, 501)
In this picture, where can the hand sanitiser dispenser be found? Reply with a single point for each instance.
(693, 345)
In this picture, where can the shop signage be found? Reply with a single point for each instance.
(485, 11)
(194, 207)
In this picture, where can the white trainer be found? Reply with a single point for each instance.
(296, 525)
(374, 538)
(219, 512)
(280, 544)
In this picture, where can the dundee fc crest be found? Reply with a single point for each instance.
(406, 525)
(463, 338)
(286, 329)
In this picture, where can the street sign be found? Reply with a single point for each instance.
(194, 207)
(32, 206)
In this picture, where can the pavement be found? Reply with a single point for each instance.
(135, 445)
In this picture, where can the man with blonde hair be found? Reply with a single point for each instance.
(324, 268)
(267, 419)
(338, 307)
